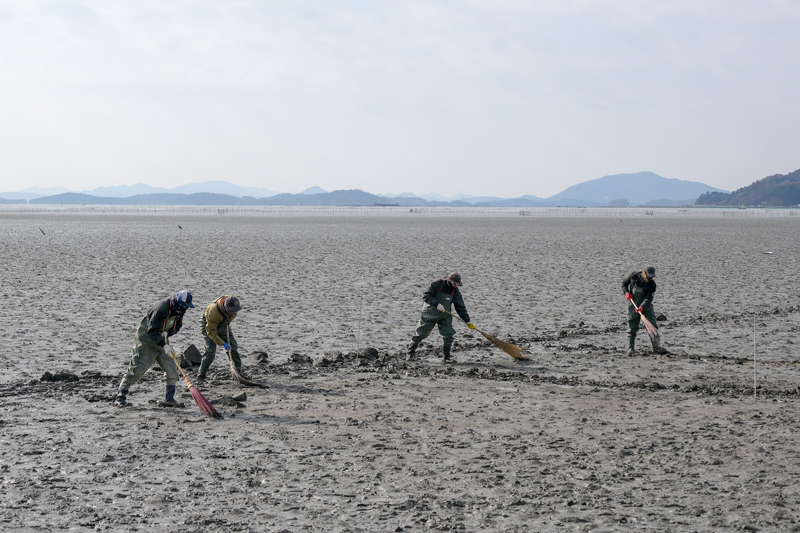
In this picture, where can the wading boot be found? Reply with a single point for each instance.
(121, 401)
(410, 351)
(631, 343)
(446, 355)
(657, 349)
(169, 399)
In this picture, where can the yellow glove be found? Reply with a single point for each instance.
(471, 325)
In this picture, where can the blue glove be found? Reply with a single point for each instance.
(226, 346)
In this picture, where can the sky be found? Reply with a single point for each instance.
(482, 97)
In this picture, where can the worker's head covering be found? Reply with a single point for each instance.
(183, 300)
(650, 271)
(231, 304)
(454, 278)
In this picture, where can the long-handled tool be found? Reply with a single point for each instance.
(236, 375)
(652, 331)
(198, 398)
(511, 349)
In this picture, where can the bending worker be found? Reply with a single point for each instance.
(165, 317)
(216, 328)
(442, 292)
(639, 288)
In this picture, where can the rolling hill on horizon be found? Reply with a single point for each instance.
(778, 190)
(642, 188)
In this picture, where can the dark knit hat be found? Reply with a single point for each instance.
(231, 304)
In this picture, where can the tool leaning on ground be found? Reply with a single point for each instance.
(652, 331)
(198, 398)
(236, 375)
(511, 349)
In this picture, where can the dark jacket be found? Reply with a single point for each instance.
(157, 321)
(441, 285)
(647, 288)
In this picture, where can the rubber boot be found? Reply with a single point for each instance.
(631, 344)
(169, 399)
(446, 355)
(410, 351)
(201, 374)
(657, 349)
(121, 401)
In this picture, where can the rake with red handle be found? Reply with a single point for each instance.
(198, 398)
(652, 331)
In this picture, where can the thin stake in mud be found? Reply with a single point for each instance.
(198, 398)
(235, 373)
(358, 336)
(511, 349)
(755, 380)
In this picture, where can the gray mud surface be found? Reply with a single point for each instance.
(349, 435)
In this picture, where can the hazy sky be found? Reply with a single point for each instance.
(482, 97)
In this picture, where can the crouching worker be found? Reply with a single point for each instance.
(216, 328)
(165, 317)
(442, 292)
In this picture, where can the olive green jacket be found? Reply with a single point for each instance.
(215, 317)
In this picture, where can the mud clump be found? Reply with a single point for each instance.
(191, 357)
(261, 358)
(59, 376)
(300, 359)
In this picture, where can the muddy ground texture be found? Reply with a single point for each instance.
(349, 435)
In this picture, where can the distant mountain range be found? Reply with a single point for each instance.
(31, 193)
(434, 197)
(778, 190)
(215, 187)
(126, 191)
(643, 188)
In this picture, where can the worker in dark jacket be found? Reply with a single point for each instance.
(639, 288)
(443, 292)
(160, 323)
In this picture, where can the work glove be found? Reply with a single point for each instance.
(226, 346)
(629, 297)
(638, 309)
(168, 350)
(470, 325)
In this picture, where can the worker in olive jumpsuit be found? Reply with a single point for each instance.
(165, 318)
(216, 327)
(442, 292)
(639, 288)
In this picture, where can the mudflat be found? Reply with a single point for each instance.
(349, 435)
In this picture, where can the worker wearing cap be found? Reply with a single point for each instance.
(160, 323)
(442, 292)
(639, 288)
(216, 328)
